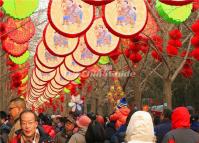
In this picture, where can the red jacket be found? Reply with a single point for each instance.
(120, 116)
(181, 132)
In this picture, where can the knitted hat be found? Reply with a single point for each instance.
(122, 103)
(83, 121)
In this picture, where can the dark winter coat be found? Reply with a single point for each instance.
(4, 131)
(162, 129)
(181, 132)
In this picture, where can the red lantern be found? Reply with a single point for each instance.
(172, 51)
(1, 3)
(195, 26)
(187, 71)
(195, 5)
(176, 2)
(135, 58)
(156, 56)
(175, 43)
(195, 41)
(195, 54)
(175, 34)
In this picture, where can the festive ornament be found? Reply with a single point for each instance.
(1, 3)
(36, 80)
(55, 85)
(195, 26)
(13, 48)
(172, 51)
(104, 60)
(20, 31)
(24, 80)
(47, 59)
(41, 67)
(70, 18)
(99, 40)
(57, 44)
(35, 85)
(83, 56)
(20, 9)
(98, 2)
(195, 54)
(195, 41)
(67, 91)
(45, 77)
(20, 60)
(176, 2)
(59, 79)
(175, 34)
(135, 58)
(125, 18)
(187, 71)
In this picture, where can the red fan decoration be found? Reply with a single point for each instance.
(13, 48)
(97, 2)
(20, 31)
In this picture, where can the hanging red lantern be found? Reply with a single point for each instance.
(175, 43)
(1, 3)
(195, 54)
(136, 58)
(195, 5)
(195, 27)
(187, 71)
(195, 40)
(175, 34)
(62, 98)
(156, 56)
(172, 51)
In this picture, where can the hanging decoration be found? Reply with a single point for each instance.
(57, 44)
(44, 76)
(20, 60)
(70, 18)
(99, 40)
(176, 2)
(125, 18)
(41, 67)
(104, 60)
(98, 2)
(59, 79)
(71, 65)
(20, 9)
(174, 14)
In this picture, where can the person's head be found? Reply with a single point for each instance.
(83, 121)
(92, 116)
(140, 128)
(122, 103)
(180, 118)
(3, 117)
(28, 122)
(16, 106)
(100, 120)
(70, 123)
(166, 115)
(95, 133)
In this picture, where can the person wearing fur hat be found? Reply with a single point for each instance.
(180, 124)
(83, 123)
(121, 113)
(140, 128)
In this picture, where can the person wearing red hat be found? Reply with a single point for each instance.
(83, 123)
(181, 132)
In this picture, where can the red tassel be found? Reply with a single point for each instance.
(127, 52)
(61, 108)
(51, 100)
(62, 98)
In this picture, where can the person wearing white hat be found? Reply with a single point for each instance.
(140, 128)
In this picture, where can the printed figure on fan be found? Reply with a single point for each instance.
(126, 12)
(60, 41)
(85, 53)
(49, 57)
(72, 12)
(103, 36)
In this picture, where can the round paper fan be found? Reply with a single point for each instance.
(99, 40)
(71, 65)
(67, 75)
(54, 89)
(13, 48)
(83, 56)
(125, 18)
(20, 9)
(70, 18)
(51, 91)
(35, 85)
(20, 31)
(174, 14)
(37, 91)
(20, 60)
(41, 67)
(36, 80)
(97, 2)
(57, 44)
(59, 79)
(45, 76)
(46, 58)
(55, 85)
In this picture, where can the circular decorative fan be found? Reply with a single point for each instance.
(51, 91)
(71, 65)
(55, 85)
(83, 56)
(36, 86)
(59, 79)
(99, 40)
(13, 48)
(36, 91)
(36, 80)
(67, 75)
(20, 9)
(176, 2)
(20, 31)
(55, 89)
(46, 58)
(20, 60)
(98, 2)
(125, 18)
(45, 76)
(47, 94)
(41, 67)
(70, 18)
(57, 44)
(173, 14)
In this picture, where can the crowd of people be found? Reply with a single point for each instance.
(123, 126)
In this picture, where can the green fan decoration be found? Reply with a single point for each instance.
(104, 60)
(20, 9)
(173, 14)
(77, 81)
(24, 80)
(66, 90)
(20, 60)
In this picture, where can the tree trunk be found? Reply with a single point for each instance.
(167, 92)
(138, 94)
